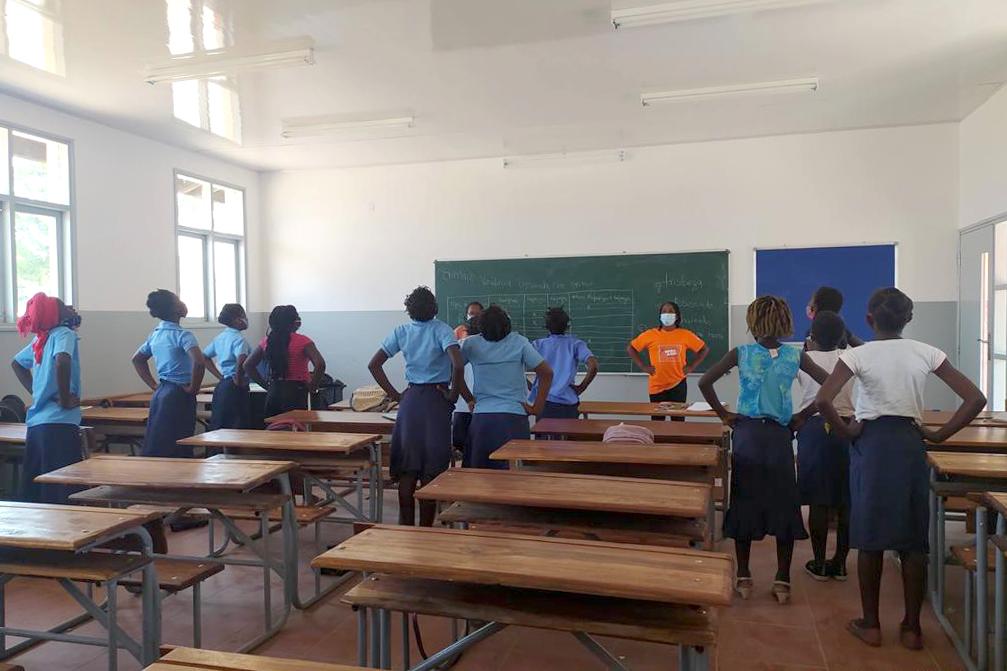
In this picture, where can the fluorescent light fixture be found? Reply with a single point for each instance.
(566, 158)
(689, 10)
(806, 85)
(314, 126)
(228, 62)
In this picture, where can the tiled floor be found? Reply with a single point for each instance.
(759, 635)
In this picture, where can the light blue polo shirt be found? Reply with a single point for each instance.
(564, 353)
(45, 407)
(498, 370)
(424, 346)
(169, 344)
(226, 348)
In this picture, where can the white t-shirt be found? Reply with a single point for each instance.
(807, 388)
(890, 377)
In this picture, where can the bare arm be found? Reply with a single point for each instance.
(457, 372)
(251, 367)
(239, 371)
(817, 373)
(635, 357)
(211, 367)
(841, 374)
(377, 368)
(592, 372)
(143, 369)
(198, 370)
(67, 399)
(318, 366)
(972, 402)
(544, 373)
(700, 355)
(22, 374)
(710, 377)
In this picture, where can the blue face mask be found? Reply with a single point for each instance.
(669, 319)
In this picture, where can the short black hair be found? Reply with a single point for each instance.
(481, 306)
(557, 321)
(421, 304)
(494, 323)
(161, 304)
(827, 329)
(230, 313)
(829, 299)
(891, 309)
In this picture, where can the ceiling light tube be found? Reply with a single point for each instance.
(226, 62)
(689, 10)
(314, 126)
(571, 158)
(806, 85)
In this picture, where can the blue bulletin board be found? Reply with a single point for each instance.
(795, 273)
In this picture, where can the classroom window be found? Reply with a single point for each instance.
(35, 217)
(211, 242)
(32, 33)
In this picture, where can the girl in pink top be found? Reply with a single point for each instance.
(287, 353)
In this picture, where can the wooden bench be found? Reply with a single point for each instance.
(694, 629)
(94, 567)
(189, 659)
(178, 575)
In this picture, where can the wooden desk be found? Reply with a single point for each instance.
(338, 421)
(13, 434)
(988, 439)
(317, 448)
(191, 659)
(997, 502)
(648, 409)
(342, 405)
(712, 433)
(969, 464)
(984, 418)
(97, 415)
(203, 399)
(55, 542)
(669, 575)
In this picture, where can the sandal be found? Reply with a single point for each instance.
(867, 635)
(817, 571)
(781, 590)
(910, 639)
(743, 586)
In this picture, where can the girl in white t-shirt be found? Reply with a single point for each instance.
(823, 456)
(888, 470)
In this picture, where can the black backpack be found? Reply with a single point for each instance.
(12, 409)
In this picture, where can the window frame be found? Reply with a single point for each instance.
(208, 238)
(66, 234)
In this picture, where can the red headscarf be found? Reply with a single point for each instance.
(40, 315)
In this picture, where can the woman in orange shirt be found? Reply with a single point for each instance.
(667, 348)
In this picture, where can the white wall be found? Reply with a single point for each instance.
(381, 228)
(983, 150)
(124, 209)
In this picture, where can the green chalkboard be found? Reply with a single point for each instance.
(610, 298)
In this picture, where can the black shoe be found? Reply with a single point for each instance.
(186, 523)
(835, 570)
(816, 570)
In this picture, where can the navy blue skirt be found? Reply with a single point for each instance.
(489, 432)
(172, 418)
(47, 448)
(421, 439)
(764, 497)
(231, 405)
(823, 466)
(889, 508)
(560, 411)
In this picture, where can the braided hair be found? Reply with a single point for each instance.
(769, 317)
(890, 309)
(283, 321)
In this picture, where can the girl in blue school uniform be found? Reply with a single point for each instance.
(764, 495)
(421, 440)
(823, 456)
(231, 398)
(564, 353)
(888, 471)
(500, 358)
(49, 368)
(180, 367)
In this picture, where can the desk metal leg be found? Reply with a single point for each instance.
(982, 633)
(599, 651)
(940, 554)
(932, 564)
(375, 638)
(385, 617)
(405, 640)
(267, 592)
(998, 607)
(111, 587)
(437, 659)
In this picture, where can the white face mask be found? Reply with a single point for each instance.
(669, 319)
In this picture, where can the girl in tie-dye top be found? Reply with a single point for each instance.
(764, 495)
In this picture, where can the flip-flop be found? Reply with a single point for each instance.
(743, 586)
(867, 635)
(910, 639)
(781, 590)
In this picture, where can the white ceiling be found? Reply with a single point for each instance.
(504, 77)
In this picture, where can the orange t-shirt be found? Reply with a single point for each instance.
(667, 350)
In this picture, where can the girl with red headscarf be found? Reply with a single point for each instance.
(49, 368)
